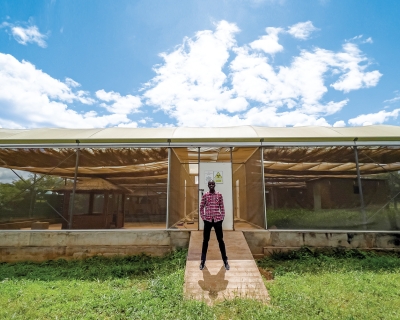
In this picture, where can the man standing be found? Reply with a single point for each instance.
(212, 212)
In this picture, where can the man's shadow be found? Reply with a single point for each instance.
(213, 283)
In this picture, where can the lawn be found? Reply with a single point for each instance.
(306, 285)
(334, 219)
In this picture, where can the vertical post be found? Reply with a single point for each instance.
(122, 221)
(72, 203)
(91, 202)
(168, 185)
(363, 216)
(233, 207)
(198, 188)
(33, 196)
(115, 215)
(263, 185)
(66, 204)
(105, 208)
(317, 196)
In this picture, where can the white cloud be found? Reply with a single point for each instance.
(268, 116)
(72, 83)
(132, 124)
(84, 97)
(355, 38)
(299, 85)
(31, 98)
(339, 123)
(269, 43)
(119, 104)
(395, 99)
(358, 39)
(145, 120)
(302, 30)
(27, 35)
(189, 86)
(369, 40)
(374, 118)
(211, 81)
(354, 76)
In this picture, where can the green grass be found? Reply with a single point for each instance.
(333, 219)
(306, 285)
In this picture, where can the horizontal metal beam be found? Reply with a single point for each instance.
(200, 144)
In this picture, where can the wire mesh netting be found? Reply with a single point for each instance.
(116, 187)
(305, 187)
(318, 187)
(248, 190)
(26, 200)
(380, 191)
(183, 192)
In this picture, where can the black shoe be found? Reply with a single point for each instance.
(226, 265)
(202, 264)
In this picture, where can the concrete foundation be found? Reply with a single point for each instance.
(265, 242)
(41, 245)
(54, 244)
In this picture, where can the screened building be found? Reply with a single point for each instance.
(302, 178)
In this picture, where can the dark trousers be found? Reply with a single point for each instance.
(206, 237)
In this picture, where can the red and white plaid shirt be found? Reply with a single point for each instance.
(212, 207)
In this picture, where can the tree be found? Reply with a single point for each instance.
(18, 198)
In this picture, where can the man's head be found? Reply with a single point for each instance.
(211, 185)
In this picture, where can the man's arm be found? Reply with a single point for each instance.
(221, 205)
(202, 205)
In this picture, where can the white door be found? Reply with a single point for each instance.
(221, 173)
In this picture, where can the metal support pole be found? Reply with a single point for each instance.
(72, 203)
(198, 188)
(263, 186)
(33, 197)
(233, 207)
(363, 216)
(168, 186)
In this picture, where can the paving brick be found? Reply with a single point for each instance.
(214, 283)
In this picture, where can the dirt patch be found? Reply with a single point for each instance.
(267, 274)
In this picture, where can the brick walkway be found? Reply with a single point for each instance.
(214, 283)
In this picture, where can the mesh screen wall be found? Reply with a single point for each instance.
(311, 188)
(254, 189)
(127, 187)
(248, 191)
(306, 187)
(116, 187)
(381, 191)
(318, 188)
(26, 199)
(183, 193)
(239, 194)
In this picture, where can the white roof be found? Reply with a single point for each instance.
(198, 135)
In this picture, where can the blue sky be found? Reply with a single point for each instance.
(84, 64)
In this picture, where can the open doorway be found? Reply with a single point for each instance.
(239, 180)
(221, 173)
